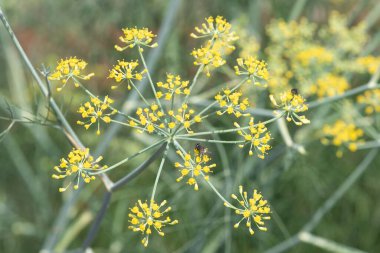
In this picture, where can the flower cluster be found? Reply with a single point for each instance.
(144, 216)
(216, 28)
(70, 68)
(329, 85)
(292, 103)
(194, 166)
(173, 85)
(94, 111)
(135, 36)
(257, 137)
(231, 102)
(154, 120)
(78, 165)
(371, 100)
(252, 68)
(208, 56)
(255, 209)
(125, 71)
(315, 54)
(220, 41)
(369, 63)
(342, 134)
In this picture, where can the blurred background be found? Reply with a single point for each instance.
(295, 184)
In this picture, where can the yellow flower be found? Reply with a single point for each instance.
(194, 166)
(292, 103)
(216, 28)
(208, 56)
(152, 119)
(146, 217)
(369, 63)
(232, 103)
(342, 134)
(257, 137)
(70, 68)
(252, 68)
(255, 210)
(94, 111)
(371, 100)
(314, 54)
(125, 70)
(173, 86)
(329, 85)
(78, 165)
(135, 36)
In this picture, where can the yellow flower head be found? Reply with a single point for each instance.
(369, 63)
(173, 86)
(125, 70)
(153, 120)
(136, 36)
(371, 100)
(70, 68)
(256, 136)
(208, 56)
(255, 210)
(96, 110)
(216, 28)
(292, 103)
(232, 103)
(342, 134)
(252, 68)
(194, 166)
(314, 55)
(78, 165)
(329, 85)
(146, 217)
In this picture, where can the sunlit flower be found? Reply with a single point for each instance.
(145, 217)
(329, 85)
(257, 137)
(125, 71)
(255, 210)
(96, 110)
(173, 86)
(292, 103)
(342, 134)
(232, 103)
(252, 68)
(78, 165)
(208, 57)
(216, 28)
(135, 36)
(194, 166)
(70, 68)
(371, 100)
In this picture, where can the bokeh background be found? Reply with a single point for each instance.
(296, 185)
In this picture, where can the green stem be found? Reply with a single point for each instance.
(149, 77)
(230, 130)
(209, 140)
(128, 158)
(159, 171)
(141, 95)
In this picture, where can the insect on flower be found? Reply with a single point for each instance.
(201, 150)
